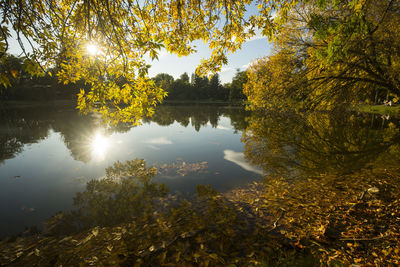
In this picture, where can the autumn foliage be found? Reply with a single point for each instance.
(329, 55)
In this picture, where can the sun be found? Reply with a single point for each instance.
(92, 49)
(100, 145)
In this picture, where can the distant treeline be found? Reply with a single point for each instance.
(23, 86)
(202, 88)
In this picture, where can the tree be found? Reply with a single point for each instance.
(362, 54)
(11, 70)
(215, 89)
(184, 78)
(199, 86)
(164, 81)
(236, 86)
(275, 81)
(103, 43)
(330, 55)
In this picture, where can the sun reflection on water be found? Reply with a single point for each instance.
(100, 145)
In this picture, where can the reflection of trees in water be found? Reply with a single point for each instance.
(125, 194)
(20, 126)
(325, 212)
(319, 143)
(126, 218)
(77, 132)
(278, 142)
(199, 116)
(344, 203)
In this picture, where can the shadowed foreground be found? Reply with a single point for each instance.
(126, 219)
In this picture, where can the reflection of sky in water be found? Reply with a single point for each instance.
(43, 178)
(238, 158)
(158, 141)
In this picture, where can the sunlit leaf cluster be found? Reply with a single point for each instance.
(344, 52)
(105, 43)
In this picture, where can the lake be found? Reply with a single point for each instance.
(48, 153)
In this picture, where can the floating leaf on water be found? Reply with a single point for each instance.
(95, 231)
(183, 168)
(83, 241)
(373, 190)
(118, 236)
(65, 239)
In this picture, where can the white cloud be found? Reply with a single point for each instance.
(158, 141)
(245, 66)
(238, 158)
(257, 37)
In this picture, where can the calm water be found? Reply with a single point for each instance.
(48, 153)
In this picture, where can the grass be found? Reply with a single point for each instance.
(378, 109)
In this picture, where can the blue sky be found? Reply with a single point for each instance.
(175, 66)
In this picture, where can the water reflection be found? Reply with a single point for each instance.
(28, 125)
(238, 158)
(199, 116)
(99, 145)
(309, 144)
(200, 142)
(350, 163)
(158, 141)
(18, 128)
(335, 143)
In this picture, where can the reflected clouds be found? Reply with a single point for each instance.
(23, 126)
(238, 159)
(154, 147)
(221, 127)
(158, 141)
